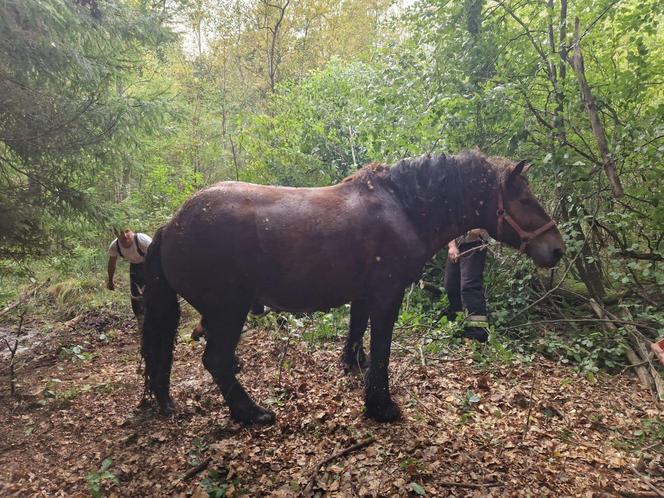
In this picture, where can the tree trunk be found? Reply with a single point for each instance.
(591, 109)
(587, 263)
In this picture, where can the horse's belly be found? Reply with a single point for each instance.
(306, 296)
(299, 307)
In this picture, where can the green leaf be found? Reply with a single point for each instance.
(417, 489)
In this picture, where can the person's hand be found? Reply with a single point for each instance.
(453, 253)
(109, 285)
(658, 349)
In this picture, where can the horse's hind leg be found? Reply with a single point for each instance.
(223, 335)
(353, 356)
(200, 331)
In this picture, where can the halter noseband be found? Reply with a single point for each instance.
(526, 237)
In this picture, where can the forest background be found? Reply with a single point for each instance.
(113, 112)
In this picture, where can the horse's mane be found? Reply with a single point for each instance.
(428, 180)
(424, 170)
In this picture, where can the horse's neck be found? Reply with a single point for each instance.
(468, 207)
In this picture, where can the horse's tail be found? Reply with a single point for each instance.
(162, 315)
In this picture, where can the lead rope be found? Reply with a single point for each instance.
(481, 247)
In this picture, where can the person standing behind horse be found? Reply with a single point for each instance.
(131, 247)
(464, 282)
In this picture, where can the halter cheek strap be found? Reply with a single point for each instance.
(526, 237)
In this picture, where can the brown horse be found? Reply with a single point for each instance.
(303, 249)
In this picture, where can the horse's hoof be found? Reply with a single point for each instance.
(167, 408)
(350, 368)
(354, 362)
(264, 418)
(257, 416)
(353, 368)
(384, 412)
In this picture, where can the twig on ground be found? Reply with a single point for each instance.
(530, 406)
(452, 484)
(12, 355)
(637, 494)
(450, 360)
(195, 470)
(312, 480)
(283, 357)
(647, 482)
(651, 446)
(641, 363)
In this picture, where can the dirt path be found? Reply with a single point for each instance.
(462, 433)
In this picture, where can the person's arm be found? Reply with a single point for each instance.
(453, 251)
(112, 261)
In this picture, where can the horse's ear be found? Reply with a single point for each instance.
(521, 168)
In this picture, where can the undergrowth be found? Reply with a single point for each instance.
(68, 286)
(76, 283)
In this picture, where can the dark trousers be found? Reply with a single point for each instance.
(464, 281)
(136, 286)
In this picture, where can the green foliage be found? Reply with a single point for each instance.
(71, 95)
(327, 326)
(314, 328)
(195, 454)
(416, 488)
(646, 439)
(214, 484)
(105, 115)
(74, 353)
(306, 136)
(97, 479)
(589, 350)
(469, 401)
(53, 393)
(651, 432)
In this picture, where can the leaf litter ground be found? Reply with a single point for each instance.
(506, 430)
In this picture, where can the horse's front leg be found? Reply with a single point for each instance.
(379, 404)
(353, 357)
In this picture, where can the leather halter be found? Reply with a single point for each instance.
(526, 237)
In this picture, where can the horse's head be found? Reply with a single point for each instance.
(521, 222)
